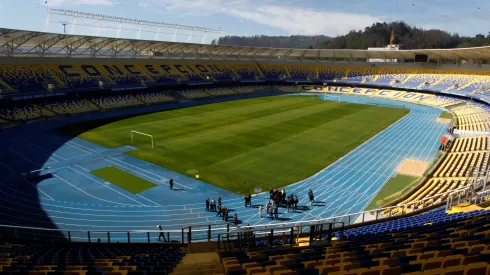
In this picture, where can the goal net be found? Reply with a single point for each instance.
(135, 134)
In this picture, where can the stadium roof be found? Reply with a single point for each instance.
(30, 43)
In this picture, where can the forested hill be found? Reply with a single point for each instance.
(377, 35)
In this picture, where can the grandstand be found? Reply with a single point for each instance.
(412, 234)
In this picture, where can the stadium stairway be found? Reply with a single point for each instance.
(200, 263)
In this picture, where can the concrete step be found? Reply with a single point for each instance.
(200, 263)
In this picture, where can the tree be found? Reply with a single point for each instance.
(376, 35)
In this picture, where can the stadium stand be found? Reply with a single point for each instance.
(247, 72)
(220, 92)
(25, 78)
(362, 74)
(274, 72)
(422, 78)
(77, 78)
(194, 94)
(453, 81)
(327, 73)
(302, 72)
(222, 73)
(250, 89)
(472, 117)
(115, 101)
(45, 258)
(24, 112)
(154, 97)
(390, 76)
(431, 243)
(69, 106)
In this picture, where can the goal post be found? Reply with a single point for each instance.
(143, 134)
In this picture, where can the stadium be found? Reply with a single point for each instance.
(327, 161)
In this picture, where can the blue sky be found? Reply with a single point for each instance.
(270, 17)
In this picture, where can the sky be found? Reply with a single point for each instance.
(252, 17)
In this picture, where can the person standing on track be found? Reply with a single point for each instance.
(207, 205)
(161, 234)
(171, 183)
(311, 197)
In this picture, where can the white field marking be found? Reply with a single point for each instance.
(426, 136)
(123, 213)
(363, 153)
(88, 193)
(358, 163)
(148, 199)
(366, 181)
(91, 160)
(428, 126)
(103, 226)
(359, 154)
(27, 144)
(164, 178)
(352, 154)
(5, 165)
(29, 160)
(101, 183)
(39, 189)
(78, 148)
(113, 216)
(340, 188)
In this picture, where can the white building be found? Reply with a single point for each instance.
(395, 47)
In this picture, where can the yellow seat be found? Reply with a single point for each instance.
(274, 268)
(255, 270)
(477, 268)
(454, 270)
(328, 269)
(452, 260)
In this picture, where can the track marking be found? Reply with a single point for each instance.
(102, 183)
(56, 176)
(148, 199)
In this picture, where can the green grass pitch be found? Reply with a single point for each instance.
(446, 115)
(123, 179)
(238, 145)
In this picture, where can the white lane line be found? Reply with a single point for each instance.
(101, 183)
(97, 198)
(39, 189)
(148, 199)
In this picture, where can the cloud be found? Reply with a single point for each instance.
(289, 17)
(53, 3)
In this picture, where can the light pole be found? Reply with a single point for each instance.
(64, 26)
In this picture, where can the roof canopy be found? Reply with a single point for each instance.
(29, 43)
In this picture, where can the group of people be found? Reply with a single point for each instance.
(248, 199)
(211, 205)
(221, 210)
(281, 198)
(272, 210)
(277, 196)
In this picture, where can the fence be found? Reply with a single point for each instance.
(211, 232)
(249, 237)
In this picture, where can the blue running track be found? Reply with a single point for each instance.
(74, 199)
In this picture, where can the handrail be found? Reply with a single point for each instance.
(213, 229)
(94, 231)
